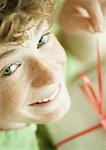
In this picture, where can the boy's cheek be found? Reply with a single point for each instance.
(11, 95)
(10, 103)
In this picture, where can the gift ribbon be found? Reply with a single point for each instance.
(96, 101)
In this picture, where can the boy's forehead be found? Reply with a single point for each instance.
(37, 29)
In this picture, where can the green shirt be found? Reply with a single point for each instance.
(19, 139)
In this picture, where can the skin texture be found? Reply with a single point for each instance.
(85, 15)
(38, 73)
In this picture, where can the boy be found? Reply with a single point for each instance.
(32, 65)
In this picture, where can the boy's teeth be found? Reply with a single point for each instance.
(45, 100)
(49, 98)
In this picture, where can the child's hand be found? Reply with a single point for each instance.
(82, 15)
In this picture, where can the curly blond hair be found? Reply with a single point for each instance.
(16, 14)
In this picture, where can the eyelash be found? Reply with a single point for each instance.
(6, 68)
(41, 44)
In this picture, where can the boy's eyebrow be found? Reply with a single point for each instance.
(5, 54)
(11, 50)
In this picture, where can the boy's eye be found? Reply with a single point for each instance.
(43, 40)
(10, 69)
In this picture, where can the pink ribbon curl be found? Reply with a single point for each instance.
(97, 101)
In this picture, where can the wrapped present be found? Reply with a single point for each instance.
(84, 126)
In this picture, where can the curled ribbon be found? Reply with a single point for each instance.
(94, 99)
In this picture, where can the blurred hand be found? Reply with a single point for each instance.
(79, 15)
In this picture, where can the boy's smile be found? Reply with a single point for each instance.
(32, 87)
(45, 99)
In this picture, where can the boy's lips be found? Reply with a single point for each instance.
(48, 99)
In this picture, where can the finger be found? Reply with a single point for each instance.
(96, 15)
(75, 24)
(103, 5)
(70, 19)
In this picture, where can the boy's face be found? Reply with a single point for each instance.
(30, 74)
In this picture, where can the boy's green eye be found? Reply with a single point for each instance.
(10, 69)
(43, 40)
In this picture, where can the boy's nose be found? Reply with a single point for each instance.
(43, 74)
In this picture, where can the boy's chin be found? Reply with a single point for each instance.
(56, 115)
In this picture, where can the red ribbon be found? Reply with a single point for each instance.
(96, 101)
(72, 137)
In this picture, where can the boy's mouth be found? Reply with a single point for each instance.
(48, 99)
